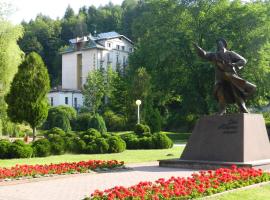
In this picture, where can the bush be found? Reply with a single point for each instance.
(57, 144)
(60, 116)
(83, 122)
(154, 120)
(146, 143)
(41, 148)
(4, 148)
(116, 144)
(90, 135)
(55, 131)
(78, 146)
(102, 145)
(162, 141)
(18, 149)
(141, 128)
(132, 141)
(97, 122)
(114, 122)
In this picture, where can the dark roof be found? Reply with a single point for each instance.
(90, 41)
(59, 89)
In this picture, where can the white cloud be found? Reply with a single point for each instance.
(28, 9)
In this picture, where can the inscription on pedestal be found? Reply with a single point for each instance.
(229, 127)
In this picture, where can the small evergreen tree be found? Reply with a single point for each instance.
(27, 98)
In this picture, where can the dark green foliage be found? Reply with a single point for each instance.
(116, 144)
(18, 149)
(147, 143)
(27, 100)
(57, 144)
(98, 123)
(60, 116)
(154, 120)
(41, 148)
(102, 145)
(114, 122)
(78, 146)
(162, 141)
(141, 128)
(83, 122)
(4, 148)
(131, 140)
(55, 131)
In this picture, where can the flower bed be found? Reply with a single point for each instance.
(200, 184)
(61, 168)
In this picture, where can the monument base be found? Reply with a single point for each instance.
(211, 165)
(223, 141)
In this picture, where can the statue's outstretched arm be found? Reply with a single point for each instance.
(203, 54)
(237, 60)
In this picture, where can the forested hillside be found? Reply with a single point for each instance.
(164, 71)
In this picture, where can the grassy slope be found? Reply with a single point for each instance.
(129, 156)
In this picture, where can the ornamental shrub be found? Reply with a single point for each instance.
(102, 145)
(114, 122)
(41, 148)
(131, 140)
(57, 144)
(97, 122)
(162, 141)
(90, 135)
(55, 131)
(141, 128)
(78, 146)
(91, 148)
(4, 148)
(18, 149)
(60, 116)
(146, 143)
(116, 144)
(83, 122)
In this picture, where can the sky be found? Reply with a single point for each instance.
(28, 9)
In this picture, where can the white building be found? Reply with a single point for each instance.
(86, 54)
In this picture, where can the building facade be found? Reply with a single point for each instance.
(84, 55)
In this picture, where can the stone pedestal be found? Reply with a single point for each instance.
(220, 141)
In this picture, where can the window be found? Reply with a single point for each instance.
(117, 59)
(75, 102)
(94, 61)
(109, 44)
(123, 48)
(51, 101)
(108, 57)
(117, 47)
(124, 60)
(130, 49)
(66, 100)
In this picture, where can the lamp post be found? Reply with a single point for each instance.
(138, 103)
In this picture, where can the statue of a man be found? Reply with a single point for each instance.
(229, 87)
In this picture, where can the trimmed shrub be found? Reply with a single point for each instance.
(162, 141)
(41, 148)
(116, 144)
(60, 116)
(114, 122)
(78, 145)
(55, 131)
(102, 145)
(146, 143)
(18, 149)
(57, 144)
(83, 122)
(141, 128)
(90, 135)
(4, 148)
(91, 148)
(132, 141)
(97, 122)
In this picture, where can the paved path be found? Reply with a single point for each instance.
(79, 186)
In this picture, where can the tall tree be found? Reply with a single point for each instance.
(27, 99)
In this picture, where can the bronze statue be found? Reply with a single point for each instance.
(229, 87)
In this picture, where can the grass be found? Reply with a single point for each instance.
(178, 138)
(128, 156)
(260, 193)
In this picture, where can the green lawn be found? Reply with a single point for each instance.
(260, 193)
(178, 138)
(129, 156)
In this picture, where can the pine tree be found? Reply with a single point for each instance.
(27, 99)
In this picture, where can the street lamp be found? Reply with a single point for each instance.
(138, 103)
